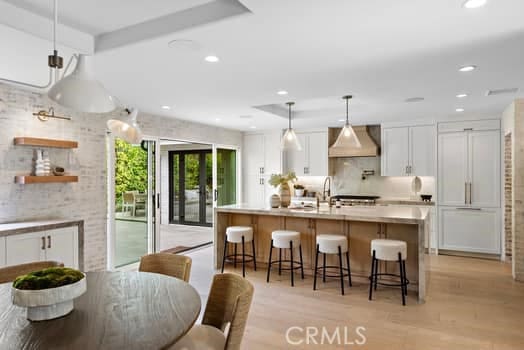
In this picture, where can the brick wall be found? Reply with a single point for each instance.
(508, 205)
(80, 200)
(518, 193)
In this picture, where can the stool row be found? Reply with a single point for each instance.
(326, 244)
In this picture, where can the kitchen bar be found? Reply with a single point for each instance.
(359, 224)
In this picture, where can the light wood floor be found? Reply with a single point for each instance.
(471, 304)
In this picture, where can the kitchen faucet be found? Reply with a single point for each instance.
(328, 179)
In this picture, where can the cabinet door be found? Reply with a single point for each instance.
(253, 190)
(2, 252)
(484, 168)
(317, 154)
(422, 150)
(470, 230)
(452, 168)
(253, 154)
(272, 153)
(62, 246)
(297, 161)
(395, 151)
(25, 248)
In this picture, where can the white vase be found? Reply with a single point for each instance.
(47, 163)
(274, 201)
(38, 163)
(299, 193)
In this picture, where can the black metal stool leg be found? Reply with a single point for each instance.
(324, 268)
(235, 261)
(405, 276)
(243, 258)
(301, 261)
(349, 269)
(376, 273)
(280, 261)
(225, 253)
(292, 269)
(316, 268)
(372, 276)
(269, 263)
(254, 254)
(401, 278)
(341, 269)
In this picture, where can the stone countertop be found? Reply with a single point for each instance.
(382, 214)
(403, 201)
(15, 228)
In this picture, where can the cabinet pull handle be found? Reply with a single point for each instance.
(468, 208)
(468, 129)
(470, 193)
(465, 193)
(263, 170)
(262, 181)
(43, 243)
(48, 241)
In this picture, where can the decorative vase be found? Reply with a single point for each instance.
(416, 186)
(47, 163)
(51, 303)
(299, 193)
(285, 195)
(274, 201)
(38, 163)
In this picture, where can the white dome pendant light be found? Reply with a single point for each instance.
(126, 128)
(80, 90)
(347, 137)
(290, 140)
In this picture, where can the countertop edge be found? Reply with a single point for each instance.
(35, 226)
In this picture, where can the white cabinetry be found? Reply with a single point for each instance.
(408, 150)
(470, 229)
(469, 186)
(312, 160)
(261, 157)
(2, 252)
(58, 244)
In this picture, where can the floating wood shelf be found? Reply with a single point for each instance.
(34, 141)
(29, 179)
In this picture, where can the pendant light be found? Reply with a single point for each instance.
(80, 90)
(347, 136)
(290, 140)
(126, 128)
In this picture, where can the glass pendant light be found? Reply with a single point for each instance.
(126, 128)
(347, 137)
(290, 140)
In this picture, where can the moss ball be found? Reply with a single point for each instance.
(48, 278)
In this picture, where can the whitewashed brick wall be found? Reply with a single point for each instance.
(82, 200)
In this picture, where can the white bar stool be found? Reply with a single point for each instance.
(333, 244)
(236, 235)
(388, 250)
(283, 239)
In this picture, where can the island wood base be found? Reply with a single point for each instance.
(359, 234)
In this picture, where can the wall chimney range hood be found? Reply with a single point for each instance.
(369, 147)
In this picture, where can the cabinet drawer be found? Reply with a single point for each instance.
(469, 230)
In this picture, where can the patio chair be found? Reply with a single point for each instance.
(129, 202)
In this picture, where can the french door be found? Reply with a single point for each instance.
(190, 192)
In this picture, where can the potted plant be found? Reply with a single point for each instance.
(48, 293)
(282, 182)
(299, 190)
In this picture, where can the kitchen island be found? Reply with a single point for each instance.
(360, 224)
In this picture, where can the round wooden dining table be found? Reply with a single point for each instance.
(120, 310)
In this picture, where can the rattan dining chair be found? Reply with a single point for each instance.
(10, 273)
(225, 316)
(173, 265)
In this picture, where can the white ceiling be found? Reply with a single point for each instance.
(381, 51)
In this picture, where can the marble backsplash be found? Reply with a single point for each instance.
(347, 179)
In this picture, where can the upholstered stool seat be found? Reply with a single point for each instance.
(389, 250)
(333, 244)
(202, 337)
(285, 239)
(239, 235)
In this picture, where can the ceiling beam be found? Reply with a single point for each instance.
(42, 27)
(196, 16)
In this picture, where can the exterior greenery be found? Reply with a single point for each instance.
(48, 278)
(131, 168)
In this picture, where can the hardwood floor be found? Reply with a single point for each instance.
(471, 304)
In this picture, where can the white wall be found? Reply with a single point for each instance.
(86, 199)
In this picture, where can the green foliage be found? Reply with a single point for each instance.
(131, 168)
(48, 278)
(278, 179)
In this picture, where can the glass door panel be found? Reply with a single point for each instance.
(226, 187)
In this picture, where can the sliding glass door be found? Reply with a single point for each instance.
(191, 187)
(226, 177)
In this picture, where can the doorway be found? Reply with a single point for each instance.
(190, 187)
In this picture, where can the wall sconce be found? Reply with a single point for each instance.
(44, 115)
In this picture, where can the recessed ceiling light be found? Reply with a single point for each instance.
(282, 92)
(217, 119)
(462, 95)
(467, 68)
(166, 107)
(459, 110)
(473, 4)
(342, 120)
(252, 127)
(212, 59)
